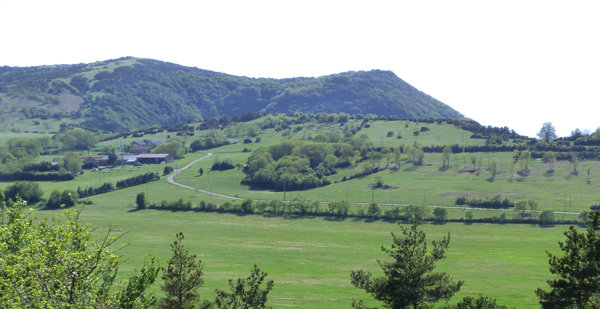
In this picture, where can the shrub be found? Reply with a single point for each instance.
(226, 164)
(27, 190)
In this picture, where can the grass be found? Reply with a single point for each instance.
(428, 184)
(310, 259)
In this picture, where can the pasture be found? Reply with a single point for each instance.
(310, 259)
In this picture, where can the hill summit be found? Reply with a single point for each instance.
(127, 93)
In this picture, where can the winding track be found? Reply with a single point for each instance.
(177, 171)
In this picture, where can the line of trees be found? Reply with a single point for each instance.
(137, 180)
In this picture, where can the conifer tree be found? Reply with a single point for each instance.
(408, 280)
(182, 278)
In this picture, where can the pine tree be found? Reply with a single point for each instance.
(246, 293)
(578, 269)
(409, 279)
(182, 278)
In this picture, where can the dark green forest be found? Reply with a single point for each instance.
(129, 93)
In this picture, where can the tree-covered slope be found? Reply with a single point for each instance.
(126, 93)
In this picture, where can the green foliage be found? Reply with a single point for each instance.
(181, 278)
(546, 217)
(140, 200)
(208, 142)
(60, 264)
(246, 293)
(547, 132)
(222, 165)
(168, 170)
(416, 212)
(373, 210)
(27, 190)
(66, 198)
(77, 139)
(446, 152)
(440, 214)
(577, 270)
(72, 162)
(292, 164)
(131, 93)
(481, 302)
(175, 148)
(408, 279)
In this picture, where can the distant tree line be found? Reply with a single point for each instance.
(137, 180)
(30, 176)
(485, 202)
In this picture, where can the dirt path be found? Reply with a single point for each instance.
(177, 171)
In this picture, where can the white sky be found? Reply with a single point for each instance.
(503, 63)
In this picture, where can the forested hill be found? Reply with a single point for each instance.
(127, 93)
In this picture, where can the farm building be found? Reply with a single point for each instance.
(154, 158)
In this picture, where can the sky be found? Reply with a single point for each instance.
(502, 63)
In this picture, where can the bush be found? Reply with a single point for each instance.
(57, 199)
(547, 217)
(226, 164)
(140, 200)
(27, 190)
(168, 170)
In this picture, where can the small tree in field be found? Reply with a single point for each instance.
(140, 200)
(446, 152)
(578, 269)
(440, 214)
(182, 278)
(246, 293)
(408, 279)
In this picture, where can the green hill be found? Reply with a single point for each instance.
(128, 93)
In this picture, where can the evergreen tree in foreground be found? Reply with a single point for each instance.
(409, 279)
(578, 269)
(182, 278)
(246, 293)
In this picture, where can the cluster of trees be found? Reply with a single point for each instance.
(66, 198)
(495, 201)
(208, 142)
(295, 165)
(137, 180)
(77, 139)
(27, 190)
(61, 264)
(175, 148)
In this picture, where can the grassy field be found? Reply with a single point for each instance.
(310, 259)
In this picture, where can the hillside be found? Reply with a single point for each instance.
(127, 93)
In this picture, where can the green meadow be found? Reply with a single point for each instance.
(310, 259)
